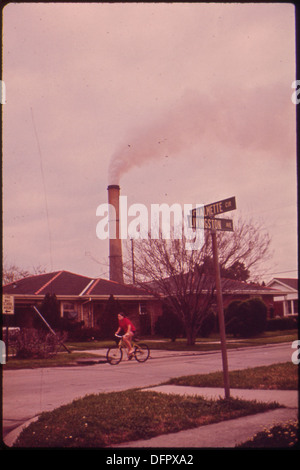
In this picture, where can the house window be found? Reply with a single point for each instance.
(143, 309)
(292, 307)
(69, 311)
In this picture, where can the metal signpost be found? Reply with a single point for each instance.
(203, 217)
(8, 308)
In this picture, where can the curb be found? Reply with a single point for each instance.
(13, 435)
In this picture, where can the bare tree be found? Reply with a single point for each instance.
(248, 244)
(12, 272)
(183, 278)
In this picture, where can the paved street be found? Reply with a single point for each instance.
(27, 393)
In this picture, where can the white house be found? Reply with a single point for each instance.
(286, 303)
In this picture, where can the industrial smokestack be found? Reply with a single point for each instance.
(115, 243)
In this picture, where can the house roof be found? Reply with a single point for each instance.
(284, 284)
(231, 285)
(65, 283)
(290, 282)
(207, 283)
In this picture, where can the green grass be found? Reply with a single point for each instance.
(285, 435)
(110, 418)
(282, 376)
(60, 360)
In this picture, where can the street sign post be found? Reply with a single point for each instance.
(204, 217)
(8, 308)
(8, 304)
(221, 314)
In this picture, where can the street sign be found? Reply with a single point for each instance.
(219, 207)
(225, 225)
(8, 304)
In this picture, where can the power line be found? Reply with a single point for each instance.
(44, 187)
(281, 272)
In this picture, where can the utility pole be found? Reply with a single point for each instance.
(132, 261)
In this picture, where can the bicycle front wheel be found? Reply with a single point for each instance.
(141, 352)
(114, 355)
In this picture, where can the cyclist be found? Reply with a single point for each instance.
(129, 330)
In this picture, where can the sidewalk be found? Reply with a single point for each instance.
(226, 434)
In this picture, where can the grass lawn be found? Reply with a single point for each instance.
(110, 418)
(282, 376)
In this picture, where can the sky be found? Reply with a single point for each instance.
(185, 103)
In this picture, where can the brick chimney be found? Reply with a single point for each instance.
(115, 243)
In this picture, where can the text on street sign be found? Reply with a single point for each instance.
(211, 224)
(219, 207)
(7, 304)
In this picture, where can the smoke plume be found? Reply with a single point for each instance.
(178, 128)
(244, 118)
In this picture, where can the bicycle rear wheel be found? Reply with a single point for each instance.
(141, 352)
(114, 355)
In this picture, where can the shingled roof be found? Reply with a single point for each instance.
(65, 283)
(229, 286)
(290, 282)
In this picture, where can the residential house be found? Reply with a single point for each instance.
(231, 290)
(286, 299)
(81, 299)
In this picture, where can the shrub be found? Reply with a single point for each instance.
(208, 325)
(50, 310)
(32, 343)
(85, 334)
(286, 323)
(108, 320)
(247, 318)
(169, 325)
(232, 319)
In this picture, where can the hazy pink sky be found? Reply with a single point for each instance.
(179, 103)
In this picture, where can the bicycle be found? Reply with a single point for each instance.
(114, 354)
